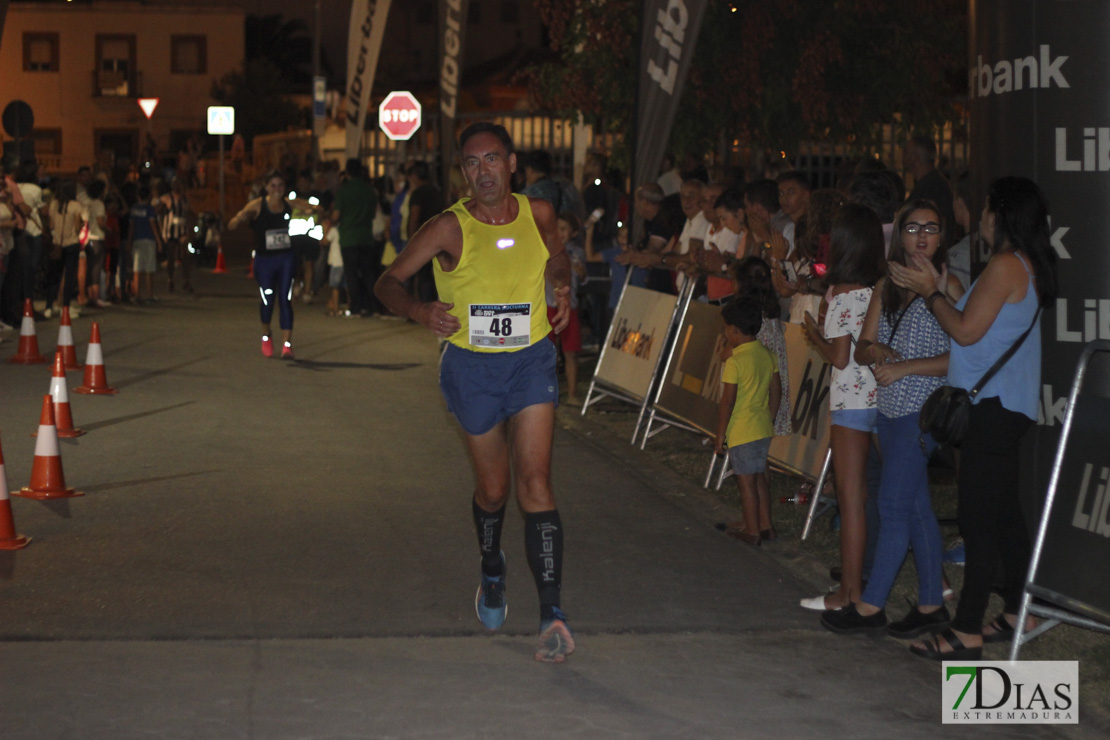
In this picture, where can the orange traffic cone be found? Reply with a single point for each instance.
(9, 540)
(65, 342)
(63, 417)
(221, 266)
(28, 353)
(47, 479)
(96, 382)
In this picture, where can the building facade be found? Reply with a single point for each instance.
(83, 67)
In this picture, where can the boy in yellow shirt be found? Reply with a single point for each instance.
(749, 402)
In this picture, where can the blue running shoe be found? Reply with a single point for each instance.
(954, 553)
(490, 602)
(556, 640)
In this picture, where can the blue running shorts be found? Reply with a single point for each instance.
(483, 389)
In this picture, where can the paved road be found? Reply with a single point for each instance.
(283, 550)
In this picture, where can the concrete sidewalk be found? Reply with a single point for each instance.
(284, 550)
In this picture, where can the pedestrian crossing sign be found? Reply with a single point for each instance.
(221, 119)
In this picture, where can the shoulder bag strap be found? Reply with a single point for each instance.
(894, 329)
(1005, 357)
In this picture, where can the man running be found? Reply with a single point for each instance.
(491, 255)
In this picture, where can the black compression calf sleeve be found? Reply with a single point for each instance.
(543, 542)
(489, 525)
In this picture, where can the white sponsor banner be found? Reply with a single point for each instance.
(636, 339)
(1001, 693)
(364, 42)
(803, 452)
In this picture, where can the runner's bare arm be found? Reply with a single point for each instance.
(250, 210)
(438, 235)
(557, 271)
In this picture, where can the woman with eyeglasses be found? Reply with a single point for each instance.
(907, 352)
(1000, 307)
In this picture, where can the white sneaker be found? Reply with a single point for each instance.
(75, 312)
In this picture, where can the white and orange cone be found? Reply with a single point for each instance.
(59, 393)
(96, 381)
(65, 342)
(9, 540)
(221, 265)
(47, 479)
(28, 353)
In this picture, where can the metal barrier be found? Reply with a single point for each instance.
(1065, 571)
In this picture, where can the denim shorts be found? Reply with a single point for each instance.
(482, 389)
(864, 420)
(750, 458)
(335, 276)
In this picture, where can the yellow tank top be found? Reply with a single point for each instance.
(498, 285)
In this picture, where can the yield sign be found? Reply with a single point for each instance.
(399, 115)
(148, 105)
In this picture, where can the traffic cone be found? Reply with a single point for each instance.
(47, 479)
(221, 266)
(65, 342)
(28, 353)
(9, 540)
(63, 417)
(96, 382)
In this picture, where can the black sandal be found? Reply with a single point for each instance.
(959, 651)
(1003, 632)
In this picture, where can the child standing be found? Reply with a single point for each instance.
(752, 391)
(570, 340)
(335, 264)
(144, 243)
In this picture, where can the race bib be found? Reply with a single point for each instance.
(500, 325)
(277, 239)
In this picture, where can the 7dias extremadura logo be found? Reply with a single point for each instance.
(1022, 693)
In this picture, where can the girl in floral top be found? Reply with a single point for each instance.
(855, 263)
(908, 353)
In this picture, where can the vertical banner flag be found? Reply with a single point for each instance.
(666, 49)
(452, 27)
(1040, 108)
(364, 42)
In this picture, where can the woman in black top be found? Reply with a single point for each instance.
(274, 263)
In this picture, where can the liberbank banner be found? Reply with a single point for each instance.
(452, 29)
(364, 43)
(666, 50)
(1040, 107)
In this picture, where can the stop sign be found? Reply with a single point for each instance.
(399, 115)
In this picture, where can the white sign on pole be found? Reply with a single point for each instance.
(221, 119)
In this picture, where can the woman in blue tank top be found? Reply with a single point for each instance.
(999, 307)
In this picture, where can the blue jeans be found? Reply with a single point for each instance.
(905, 513)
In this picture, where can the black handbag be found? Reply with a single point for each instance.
(945, 412)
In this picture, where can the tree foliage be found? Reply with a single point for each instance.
(771, 73)
(286, 43)
(258, 96)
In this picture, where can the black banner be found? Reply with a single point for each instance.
(452, 29)
(1040, 108)
(666, 49)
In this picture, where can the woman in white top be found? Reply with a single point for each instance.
(7, 223)
(855, 264)
(97, 216)
(66, 217)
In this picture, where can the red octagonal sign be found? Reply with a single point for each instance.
(399, 115)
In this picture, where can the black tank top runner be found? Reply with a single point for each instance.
(269, 221)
